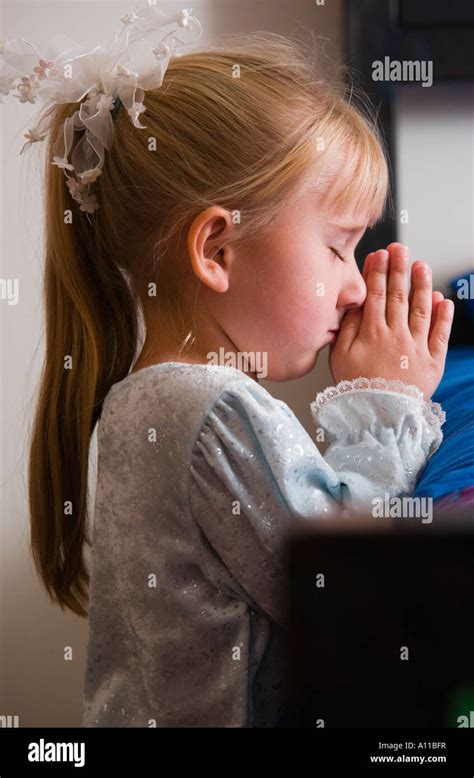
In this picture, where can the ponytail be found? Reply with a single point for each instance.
(91, 334)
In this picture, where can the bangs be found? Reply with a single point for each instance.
(356, 174)
(361, 179)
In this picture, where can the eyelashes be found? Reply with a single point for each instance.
(343, 259)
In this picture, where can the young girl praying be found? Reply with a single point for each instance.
(228, 226)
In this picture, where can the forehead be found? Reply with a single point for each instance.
(345, 223)
(351, 190)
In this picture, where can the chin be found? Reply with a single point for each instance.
(290, 372)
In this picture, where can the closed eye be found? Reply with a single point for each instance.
(337, 254)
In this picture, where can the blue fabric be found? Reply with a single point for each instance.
(451, 468)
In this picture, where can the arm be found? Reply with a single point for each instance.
(255, 471)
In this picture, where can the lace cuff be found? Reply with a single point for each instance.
(432, 411)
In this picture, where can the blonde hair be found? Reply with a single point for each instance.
(245, 143)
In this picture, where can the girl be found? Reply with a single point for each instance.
(236, 232)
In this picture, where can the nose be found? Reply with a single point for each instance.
(353, 290)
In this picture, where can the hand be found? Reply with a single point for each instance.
(395, 335)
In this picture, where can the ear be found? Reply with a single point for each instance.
(209, 254)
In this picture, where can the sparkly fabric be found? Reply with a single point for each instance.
(201, 473)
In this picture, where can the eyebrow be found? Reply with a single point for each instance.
(348, 230)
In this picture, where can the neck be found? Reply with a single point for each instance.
(208, 344)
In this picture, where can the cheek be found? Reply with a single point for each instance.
(286, 294)
(297, 305)
(307, 289)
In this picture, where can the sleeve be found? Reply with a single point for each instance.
(254, 470)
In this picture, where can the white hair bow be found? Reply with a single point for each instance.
(64, 72)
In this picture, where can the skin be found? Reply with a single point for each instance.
(398, 334)
(285, 293)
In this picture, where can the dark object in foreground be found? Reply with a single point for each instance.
(381, 624)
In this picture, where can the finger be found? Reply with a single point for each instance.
(436, 298)
(438, 342)
(366, 267)
(420, 309)
(417, 263)
(374, 306)
(397, 286)
(349, 328)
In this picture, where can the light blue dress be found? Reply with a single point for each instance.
(201, 473)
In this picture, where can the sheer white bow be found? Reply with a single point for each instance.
(100, 79)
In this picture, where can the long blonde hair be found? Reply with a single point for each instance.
(246, 124)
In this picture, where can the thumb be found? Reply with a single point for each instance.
(349, 328)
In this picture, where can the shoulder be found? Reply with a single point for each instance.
(250, 399)
(192, 381)
(245, 418)
(189, 392)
